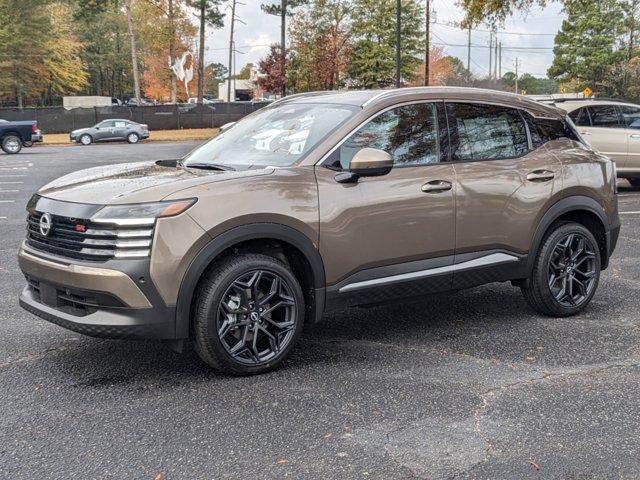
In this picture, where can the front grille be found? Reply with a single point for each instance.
(85, 240)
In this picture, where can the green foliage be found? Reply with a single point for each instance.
(213, 15)
(216, 74)
(276, 8)
(588, 42)
(374, 32)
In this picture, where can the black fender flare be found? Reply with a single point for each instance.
(236, 235)
(566, 205)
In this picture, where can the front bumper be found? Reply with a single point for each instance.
(98, 302)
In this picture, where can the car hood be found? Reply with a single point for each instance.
(80, 130)
(133, 183)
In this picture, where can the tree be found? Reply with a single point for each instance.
(588, 42)
(284, 8)
(134, 51)
(321, 43)
(216, 73)
(245, 72)
(208, 14)
(374, 33)
(273, 70)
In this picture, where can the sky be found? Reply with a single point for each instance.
(528, 37)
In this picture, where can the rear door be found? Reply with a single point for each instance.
(631, 122)
(502, 183)
(606, 133)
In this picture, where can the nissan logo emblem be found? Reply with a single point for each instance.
(45, 224)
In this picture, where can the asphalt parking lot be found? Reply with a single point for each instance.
(467, 385)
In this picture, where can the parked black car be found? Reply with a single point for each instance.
(15, 135)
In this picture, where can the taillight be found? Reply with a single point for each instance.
(34, 128)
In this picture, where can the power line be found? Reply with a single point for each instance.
(500, 32)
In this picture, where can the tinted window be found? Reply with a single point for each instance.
(544, 130)
(485, 132)
(408, 133)
(604, 116)
(580, 117)
(106, 124)
(121, 124)
(630, 116)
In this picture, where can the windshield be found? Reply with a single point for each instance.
(277, 136)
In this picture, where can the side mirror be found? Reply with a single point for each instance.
(368, 162)
(226, 127)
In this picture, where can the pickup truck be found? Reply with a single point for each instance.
(15, 135)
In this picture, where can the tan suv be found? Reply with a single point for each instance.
(318, 202)
(612, 128)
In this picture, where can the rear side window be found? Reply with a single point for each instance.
(580, 117)
(604, 116)
(545, 130)
(486, 132)
(630, 116)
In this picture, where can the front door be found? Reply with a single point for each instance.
(631, 123)
(105, 130)
(503, 183)
(606, 134)
(393, 235)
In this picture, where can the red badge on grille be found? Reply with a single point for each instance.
(80, 228)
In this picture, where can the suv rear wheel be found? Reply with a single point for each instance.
(249, 311)
(566, 271)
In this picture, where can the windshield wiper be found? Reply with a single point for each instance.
(209, 166)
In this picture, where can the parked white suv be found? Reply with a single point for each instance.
(612, 128)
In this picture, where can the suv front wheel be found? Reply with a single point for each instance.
(249, 311)
(566, 271)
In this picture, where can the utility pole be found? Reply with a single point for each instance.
(283, 52)
(398, 40)
(134, 52)
(426, 51)
(495, 67)
(172, 50)
(490, 53)
(516, 74)
(469, 51)
(500, 61)
(231, 48)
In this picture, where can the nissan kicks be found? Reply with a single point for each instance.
(318, 202)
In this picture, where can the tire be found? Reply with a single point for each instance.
(11, 144)
(635, 182)
(133, 138)
(224, 301)
(552, 272)
(85, 139)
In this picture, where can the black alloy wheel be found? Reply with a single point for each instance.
(256, 317)
(572, 270)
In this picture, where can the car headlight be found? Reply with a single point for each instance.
(141, 213)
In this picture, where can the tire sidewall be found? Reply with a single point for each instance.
(85, 136)
(133, 136)
(206, 312)
(545, 255)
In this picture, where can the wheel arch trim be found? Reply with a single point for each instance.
(574, 203)
(232, 237)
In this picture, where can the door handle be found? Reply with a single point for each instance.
(541, 176)
(436, 186)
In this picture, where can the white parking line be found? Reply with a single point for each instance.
(12, 176)
(11, 183)
(7, 201)
(9, 191)
(3, 218)
(629, 213)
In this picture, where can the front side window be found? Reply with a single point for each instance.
(486, 132)
(604, 116)
(106, 124)
(408, 133)
(630, 116)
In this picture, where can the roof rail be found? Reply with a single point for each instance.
(298, 95)
(590, 99)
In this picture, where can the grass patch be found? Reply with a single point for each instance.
(156, 136)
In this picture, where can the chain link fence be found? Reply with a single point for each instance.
(158, 117)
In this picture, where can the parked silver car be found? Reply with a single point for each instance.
(116, 129)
